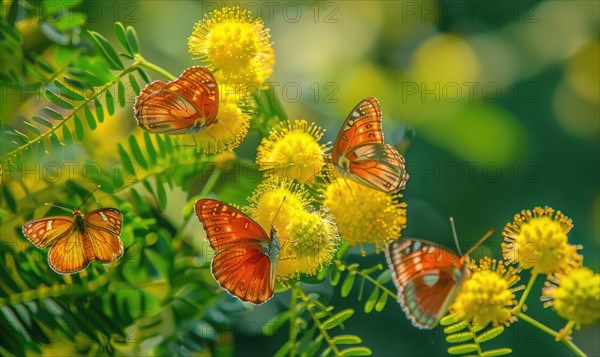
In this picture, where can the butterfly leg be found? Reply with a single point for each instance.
(350, 189)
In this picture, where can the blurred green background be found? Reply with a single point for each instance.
(495, 103)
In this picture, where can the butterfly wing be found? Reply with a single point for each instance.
(379, 166)
(175, 107)
(427, 277)
(44, 232)
(68, 254)
(240, 265)
(103, 228)
(363, 125)
(244, 272)
(226, 227)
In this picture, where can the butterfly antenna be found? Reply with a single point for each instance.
(486, 236)
(279, 209)
(88, 196)
(61, 207)
(455, 235)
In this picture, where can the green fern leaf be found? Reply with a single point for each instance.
(53, 98)
(337, 319)
(143, 75)
(43, 121)
(32, 128)
(121, 94)
(122, 36)
(110, 103)
(459, 326)
(132, 40)
(462, 349)
(152, 155)
(53, 114)
(78, 128)
(89, 117)
(99, 111)
(137, 152)
(161, 194)
(67, 136)
(356, 351)
(107, 50)
(460, 337)
(490, 334)
(346, 340)
(372, 300)
(134, 84)
(496, 352)
(348, 284)
(381, 302)
(67, 92)
(9, 198)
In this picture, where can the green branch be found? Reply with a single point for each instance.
(565, 340)
(530, 284)
(317, 322)
(365, 275)
(293, 329)
(57, 290)
(154, 68)
(74, 111)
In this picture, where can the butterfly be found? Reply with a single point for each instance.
(76, 241)
(187, 104)
(359, 151)
(427, 277)
(245, 263)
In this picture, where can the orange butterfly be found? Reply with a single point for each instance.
(75, 242)
(186, 104)
(427, 276)
(359, 151)
(246, 257)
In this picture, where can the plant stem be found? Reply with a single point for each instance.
(566, 341)
(317, 322)
(532, 279)
(151, 66)
(479, 350)
(369, 278)
(293, 329)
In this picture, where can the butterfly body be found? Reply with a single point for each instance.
(187, 104)
(273, 251)
(427, 278)
(246, 257)
(76, 241)
(360, 153)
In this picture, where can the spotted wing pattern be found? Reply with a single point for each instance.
(240, 265)
(44, 232)
(189, 102)
(427, 278)
(74, 245)
(103, 228)
(360, 153)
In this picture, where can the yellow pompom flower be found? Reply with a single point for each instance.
(308, 239)
(312, 241)
(537, 240)
(292, 150)
(227, 132)
(575, 295)
(276, 202)
(488, 294)
(237, 45)
(364, 214)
